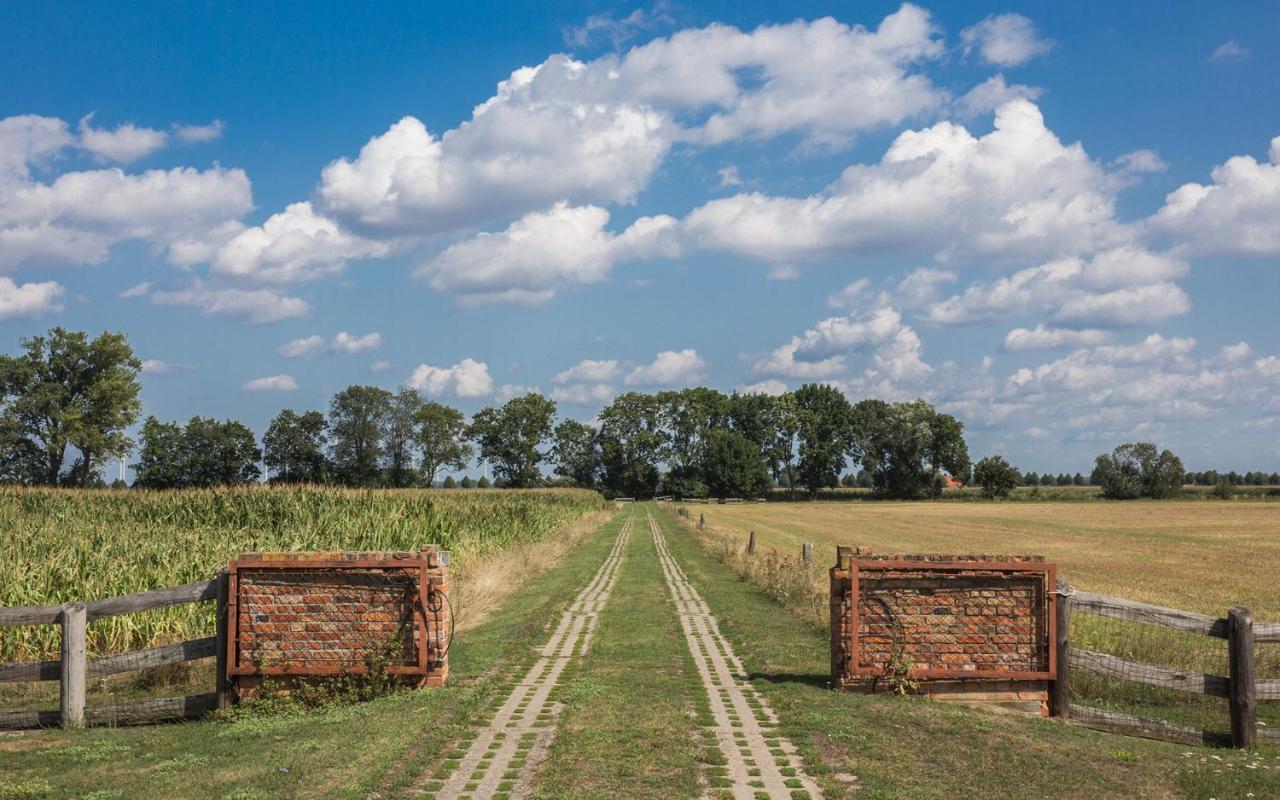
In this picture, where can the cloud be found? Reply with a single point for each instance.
(314, 346)
(1235, 215)
(258, 306)
(345, 342)
(197, 134)
(29, 139)
(616, 31)
(1042, 338)
(29, 299)
(540, 253)
(669, 368)
(729, 176)
(893, 351)
(993, 93)
(1007, 40)
(1141, 162)
(467, 378)
(589, 371)
(595, 132)
(850, 295)
(510, 391)
(308, 347)
(1230, 50)
(1117, 287)
(583, 394)
(380, 366)
(783, 272)
(137, 290)
(772, 387)
(273, 383)
(124, 144)
(154, 366)
(295, 245)
(1015, 193)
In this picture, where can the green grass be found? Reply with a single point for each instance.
(630, 724)
(885, 746)
(340, 752)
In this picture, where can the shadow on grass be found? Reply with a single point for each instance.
(822, 681)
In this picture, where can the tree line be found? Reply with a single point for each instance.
(67, 401)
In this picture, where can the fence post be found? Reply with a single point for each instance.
(1060, 697)
(806, 552)
(702, 521)
(221, 623)
(71, 693)
(751, 544)
(1243, 700)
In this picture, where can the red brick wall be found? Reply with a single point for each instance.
(298, 614)
(989, 618)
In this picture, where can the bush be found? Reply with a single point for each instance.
(996, 476)
(1224, 490)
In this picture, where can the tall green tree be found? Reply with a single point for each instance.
(161, 456)
(399, 437)
(357, 417)
(904, 446)
(823, 417)
(440, 439)
(294, 447)
(688, 416)
(67, 390)
(1138, 469)
(207, 452)
(997, 477)
(576, 453)
(509, 437)
(733, 466)
(631, 445)
(220, 453)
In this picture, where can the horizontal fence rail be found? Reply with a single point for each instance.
(1240, 688)
(74, 667)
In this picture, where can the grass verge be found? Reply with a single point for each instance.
(349, 751)
(883, 747)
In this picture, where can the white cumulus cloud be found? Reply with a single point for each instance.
(126, 143)
(29, 299)
(272, 383)
(467, 378)
(258, 306)
(669, 368)
(589, 371)
(1005, 39)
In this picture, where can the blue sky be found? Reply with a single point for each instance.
(1060, 223)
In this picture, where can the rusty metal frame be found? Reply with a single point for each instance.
(1047, 571)
(422, 669)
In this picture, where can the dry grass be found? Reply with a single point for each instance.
(1194, 555)
(481, 587)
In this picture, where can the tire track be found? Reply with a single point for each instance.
(761, 764)
(501, 759)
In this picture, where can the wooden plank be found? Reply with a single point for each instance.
(197, 592)
(1266, 632)
(1140, 672)
(1243, 702)
(1269, 736)
(1269, 689)
(1060, 691)
(30, 615)
(114, 606)
(31, 671)
(189, 650)
(26, 720)
(71, 694)
(158, 710)
(1114, 722)
(1131, 610)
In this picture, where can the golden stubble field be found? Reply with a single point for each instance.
(1199, 555)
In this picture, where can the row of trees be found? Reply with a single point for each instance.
(691, 442)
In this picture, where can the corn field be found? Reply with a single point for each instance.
(60, 546)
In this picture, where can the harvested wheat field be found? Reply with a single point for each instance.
(1199, 555)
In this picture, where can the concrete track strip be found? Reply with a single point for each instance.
(761, 763)
(501, 760)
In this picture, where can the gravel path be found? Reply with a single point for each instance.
(500, 762)
(760, 762)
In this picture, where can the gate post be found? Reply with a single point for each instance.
(1243, 701)
(1060, 697)
(71, 690)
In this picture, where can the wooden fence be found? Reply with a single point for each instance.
(74, 668)
(1240, 688)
